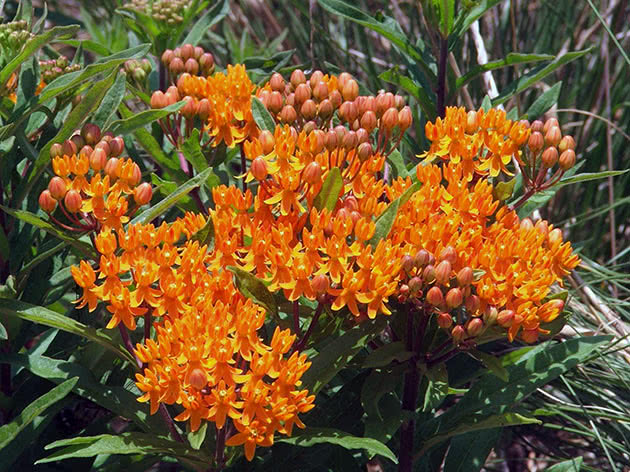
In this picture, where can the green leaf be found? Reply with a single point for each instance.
(504, 190)
(544, 102)
(36, 221)
(587, 176)
(205, 235)
(311, 436)
(9, 431)
(215, 14)
(88, 45)
(416, 90)
(3, 333)
(467, 17)
(336, 354)
(33, 45)
(512, 58)
(386, 220)
(572, 465)
(46, 317)
(486, 103)
(124, 443)
(493, 364)
(262, 117)
(468, 452)
(382, 407)
(398, 164)
(159, 208)
(193, 153)
(139, 120)
(386, 354)
(436, 379)
(111, 101)
(197, 438)
(254, 289)
(332, 187)
(477, 423)
(535, 75)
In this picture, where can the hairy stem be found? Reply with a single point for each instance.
(302, 343)
(169, 423)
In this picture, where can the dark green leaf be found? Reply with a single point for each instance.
(111, 101)
(468, 452)
(9, 431)
(587, 176)
(332, 187)
(511, 59)
(493, 364)
(3, 333)
(385, 222)
(262, 117)
(312, 436)
(254, 289)
(572, 465)
(193, 153)
(436, 387)
(398, 163)
(205, 235)
(215, 14)
(139, 120)
(544, 102)
(467, 17)
(386, 354)
(416, 90)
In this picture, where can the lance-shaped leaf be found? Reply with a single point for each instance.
(425, 99)
(254, 289)
(215, 14)
(111, 101)
(262, 117)
(205, 235)
(385, 222)
(385, 355)
(139, 120)
(468, 452)
(544, 102)
(512, 58)
(332, 187)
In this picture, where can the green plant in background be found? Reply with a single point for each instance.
(345, 278)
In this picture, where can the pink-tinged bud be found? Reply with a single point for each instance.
(73, 201)
(116, 146)
(448, 254)
(445, 320)
(549, 157)
(399, 101)
(350, 140)
(529, 335)
(206, 61)
(542, 226)
(158, 100)
(567, 143)
(259, 168)
(474, 327)
(363, 136)
(98, 159)
(403, 293)
(348, 112)
(136, 175)
(567, 159)
(69, 148)
(203, 109)
(47, 202)
(143, 193)
(443, 272)
(176, 66)
(325, 109)
(536, 142)
(57, 188)
(289, 100)
(191, 66)
(335, 98)
(316, 77)
(553, 136)
(167, 57)
(275, 102)
(421, 258)
(187, 51)
(312, 173)
(56, 150)
(308, 109)
(555, 237)
(458, 333)
(343, 79)
(350, 90)
(320, 284)
(320, 141)
(78, 141)
(320, 91)
(197, 378)
(302, 93)
(526, 224)
(341, 132)
(351, 203)
(198, 52)
(465, 277)
(454, 298)
(86, 151)
(550, 123)
(505, 318)
(405, 118)
(288, 114)
(331, 140)
(111, 168)
(428, 274)
(472, 304)
(277, 82)
(390, 119)
(91, 133)
(407, 263)
(537, 126)
(472, 122)
(415, 284)
(297, 77)
(309, 126)
(369, 121)
(435, 296)
(189, 110)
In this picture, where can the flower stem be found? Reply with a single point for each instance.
(124, 334)
(302, 343)
(296, 317)
(441, 85)
(219, 455)
(169, 423)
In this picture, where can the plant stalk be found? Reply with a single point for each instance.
(441, 85)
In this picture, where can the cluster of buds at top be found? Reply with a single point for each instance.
(311, 103)
(94, 186)
(188, 59)
(169, 12)
(138, 71)
(14, 35)
(54, 68)
(435, 286)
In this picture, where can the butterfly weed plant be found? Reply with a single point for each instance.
(245, 274)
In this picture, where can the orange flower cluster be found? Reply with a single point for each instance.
(207, 356)
(484, 142)
(94, 186)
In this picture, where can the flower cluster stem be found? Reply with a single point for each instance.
(302, 343)
(441, 85)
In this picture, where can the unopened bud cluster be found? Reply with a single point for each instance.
(435, 285)
(137, 71)
(548, 145)
(54, 68)
(93, 184)
(189, 59)
(13, 36)
(169, 12)
(310, 103)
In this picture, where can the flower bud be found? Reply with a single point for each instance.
(529, 335)
(56, 150)
(158, 100)
(415, 285)
(111, 168)
(445, 320)
(312, 173)
(167, 57)
(550, 123)
(537, 126)
(325, 109)
(567, 143)
(363, 136)
(98, 159)
(176, 66)
(259, 168)
(343, 79)
(458, 334)
(320, 91)
(364, 151)
(474, 327)
(350, 140)
(206, 61)
(389, 119)
(302, 93)
(331, 140)
(288, 114)
(191, 66)
(198, 52)
(308, 109)
(350, 90)
(143, 193)
(348, 112)
(57, 188)
(187, 51)
(277, 82)
(553, 136)
(47, 202)
(405, 118)
(472, 304)
(69, 148)
(320, 284)
(472, 122)
(542, 226)
(435, 296)
(73, 201)
(407, 263)
(203, 109)
(465, 277)
(527, 224)
(267, 141)
(335, 98)
(567, 159)
(549, 157)
(421, 258)
(91, 133)
(297, 78)
(555, 237)
(369, 121)
(197, 378)
(428, 274)
(116, 146)
(316, 78)
(340, 130)
(536, 142)
(505, 318)
(443, 272)
(454, 298)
